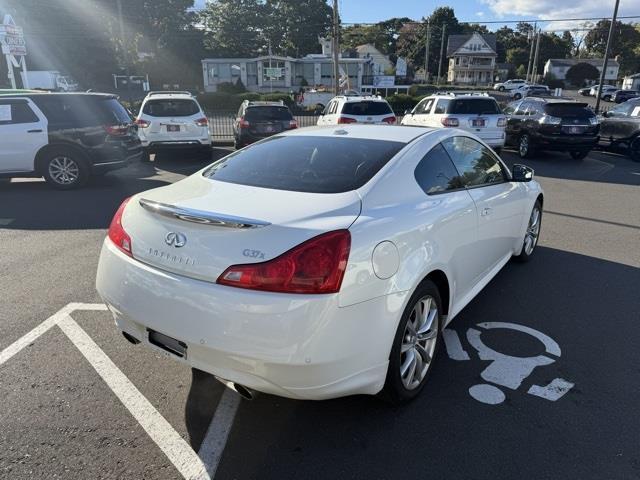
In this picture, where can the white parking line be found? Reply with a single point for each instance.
(161, 432)
(218, 431)
(179, 452)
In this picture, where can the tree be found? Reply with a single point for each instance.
(293, 26)
(521, 71)
(383, 35)
(234, 28)
(518, 56)
(624, 41)
(578, 73)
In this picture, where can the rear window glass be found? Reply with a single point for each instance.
(478, 106)
(171, 108)
(257, 114)
(366, 108)
(114, 111)
(562, 109)
(306, 164)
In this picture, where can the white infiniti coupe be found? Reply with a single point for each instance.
(322, 262)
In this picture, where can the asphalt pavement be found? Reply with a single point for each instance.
(80, 402)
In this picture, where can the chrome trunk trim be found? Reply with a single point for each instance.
(200, 216)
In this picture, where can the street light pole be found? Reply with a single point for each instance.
(444, 30)
(124, 51)
(532, 37)
(336, 50)
(606, 56)
(426, 53)
(534, 67)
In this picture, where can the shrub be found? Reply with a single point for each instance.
(578, 73)
(401, 102)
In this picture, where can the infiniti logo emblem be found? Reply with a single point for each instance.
(175, 239)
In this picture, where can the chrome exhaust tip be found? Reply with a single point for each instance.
(241, 390)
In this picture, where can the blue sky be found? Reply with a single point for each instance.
(483, 10)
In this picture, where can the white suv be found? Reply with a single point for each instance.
(509, 85)
(169, 120)
(479, 114)
(357, 109)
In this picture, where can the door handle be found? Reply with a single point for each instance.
(486, 211)
(35, 131)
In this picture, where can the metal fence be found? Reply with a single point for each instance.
(221, 124)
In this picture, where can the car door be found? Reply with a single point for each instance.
(451, 213)
(618, 122)
(23, 132)
(434, 119)
(499, 202)
(422, 116)
(515, 115)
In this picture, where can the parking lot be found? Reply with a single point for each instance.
(80, 402)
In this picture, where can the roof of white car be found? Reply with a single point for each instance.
(169, 95)
(391, 133)
(361, 98)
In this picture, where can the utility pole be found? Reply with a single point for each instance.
(532, 37)
(444, 30)
(534, 69)
(606, 55)
(336, 49)
(124, 50)
(426, 53)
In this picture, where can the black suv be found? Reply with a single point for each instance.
(64, 137)
(620, 128)
(258, 120)
(620, 96)
(551, 124)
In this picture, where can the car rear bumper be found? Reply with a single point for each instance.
(109, 162)
(565, 142)
(247, 138)
(176, 144)
(297, 346)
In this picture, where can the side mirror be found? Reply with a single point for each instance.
(605, 114)
(407, 112)
(521, 173)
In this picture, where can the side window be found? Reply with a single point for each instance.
(476, 164)
(511, 108)
(426, 106)
(14, 113)
(436, 174)
(520, 108)
(441, 105)
(333, 107)
(621, 111)
(531, 108)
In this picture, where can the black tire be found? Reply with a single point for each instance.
(146, 156)
(579, 154)
(525, 149)
(607, 98)
(501, 89)
(64, 168)
(517, 96)
(394, 390)
(634, 150)
(236, 144)
(525, 255)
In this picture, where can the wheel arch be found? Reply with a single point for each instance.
(441, 281)
(44, 151)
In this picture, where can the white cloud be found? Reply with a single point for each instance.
(554, 9)
(480, 14)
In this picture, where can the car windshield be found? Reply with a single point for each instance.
(314, 164)
(262, 114)
(367, 108)
(171, 108)
(470, 106)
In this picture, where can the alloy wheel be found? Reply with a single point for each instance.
(533, 231)
(64, 170)
(524, 146)
(419, 342)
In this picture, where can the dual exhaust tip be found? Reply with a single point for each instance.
(241, 390)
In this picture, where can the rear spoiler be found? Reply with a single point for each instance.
(200, 216)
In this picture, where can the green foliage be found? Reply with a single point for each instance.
(401, 102)
(624, 44)
(521, 71)
(578, 73)
(382, 35)
(518, 56)
(228, 87)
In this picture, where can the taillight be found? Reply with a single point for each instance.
(347, 120)
(202, 122)
(117, 234)
(116, 130)
(243, 123)
(389, 120)
(502, 122)
(142, 123)
(450, 122)
(293, 124)
(315, 266)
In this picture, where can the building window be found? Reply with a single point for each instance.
(272, 71)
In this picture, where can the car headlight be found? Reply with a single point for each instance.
(593, 120)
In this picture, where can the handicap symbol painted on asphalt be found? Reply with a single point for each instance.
(505, 370)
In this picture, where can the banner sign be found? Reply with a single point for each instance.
(12, 38)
